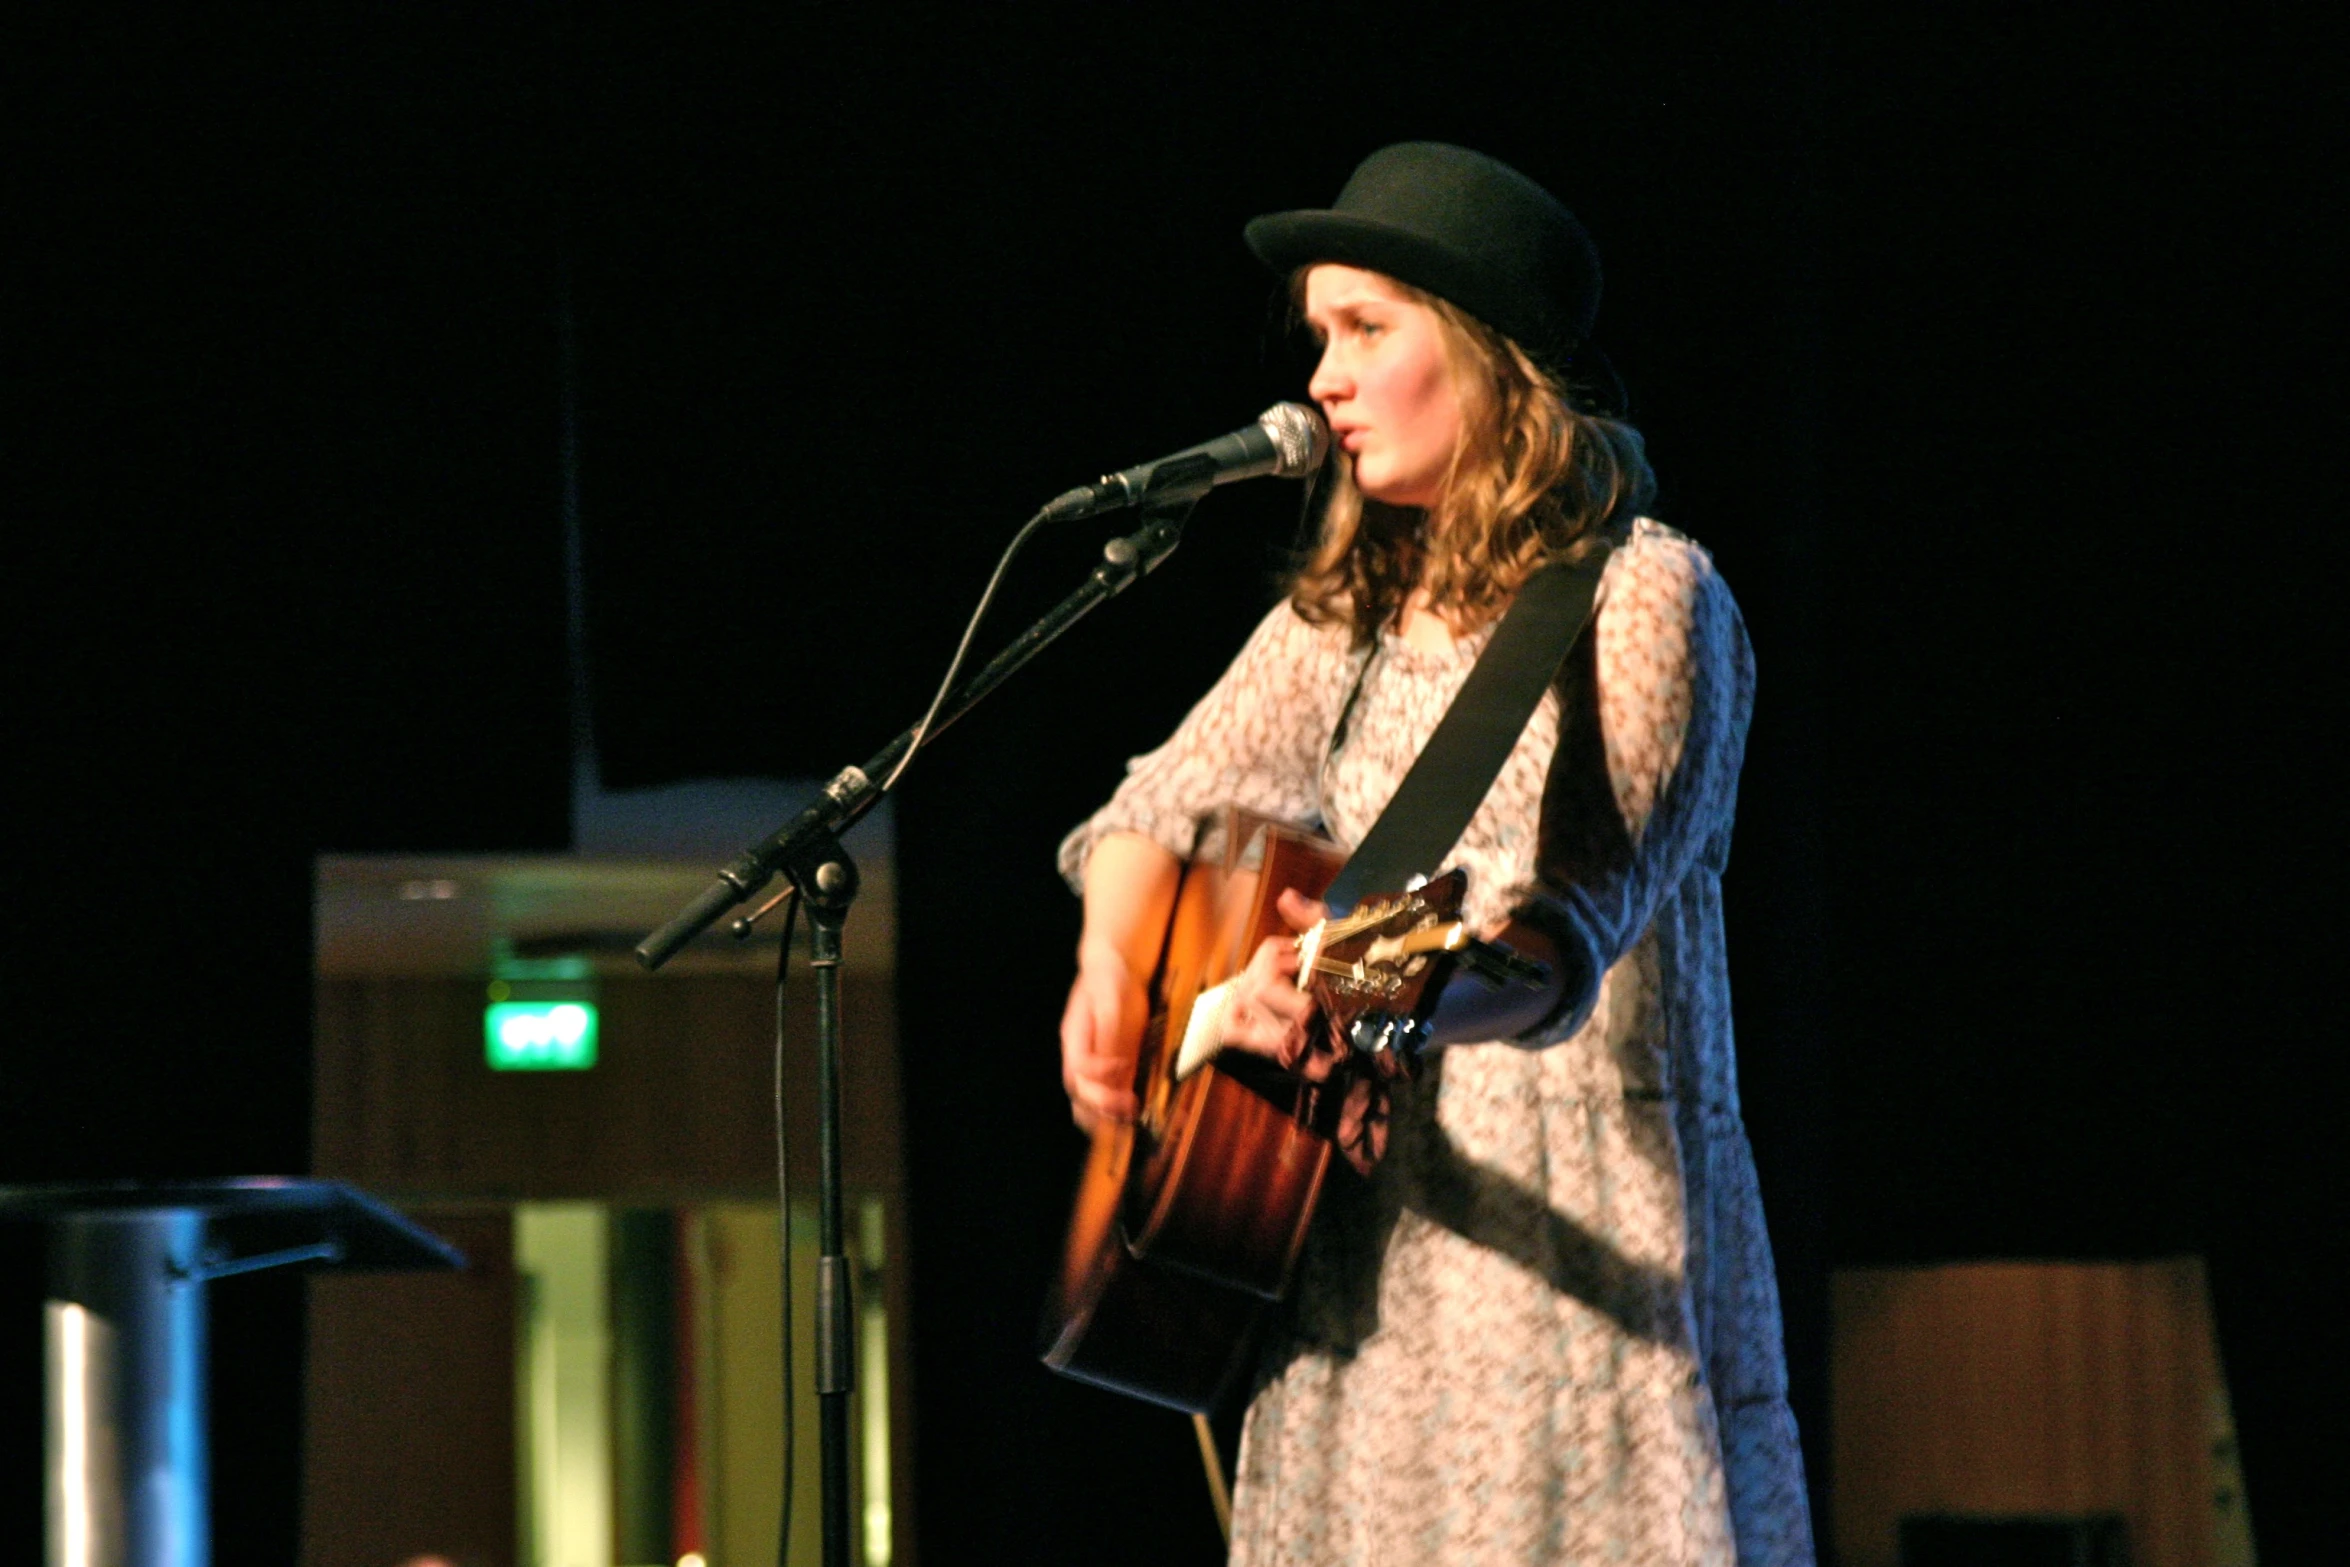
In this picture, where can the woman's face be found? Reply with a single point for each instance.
(1384, 382)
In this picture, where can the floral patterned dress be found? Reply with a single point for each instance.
(1546, 1327)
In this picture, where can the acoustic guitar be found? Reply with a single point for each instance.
(1189, 1219)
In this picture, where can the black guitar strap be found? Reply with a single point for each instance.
(1456, 769)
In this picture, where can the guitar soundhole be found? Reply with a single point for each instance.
(1279, 1088)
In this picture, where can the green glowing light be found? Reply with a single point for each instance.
(540, 1036)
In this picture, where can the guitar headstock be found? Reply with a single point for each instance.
(1381, 957)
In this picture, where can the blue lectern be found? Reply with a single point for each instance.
(128, 1474)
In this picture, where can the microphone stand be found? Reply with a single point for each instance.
(808, 852)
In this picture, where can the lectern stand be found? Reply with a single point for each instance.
(128, 1473)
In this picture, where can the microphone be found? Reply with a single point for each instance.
(1288, 441)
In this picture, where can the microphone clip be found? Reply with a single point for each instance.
(1171, 481)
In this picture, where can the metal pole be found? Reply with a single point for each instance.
(125, 1325)
(827, 893)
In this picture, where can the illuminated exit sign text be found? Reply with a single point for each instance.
(540, 1036)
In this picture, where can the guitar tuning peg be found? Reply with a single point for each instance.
(1388, 1036)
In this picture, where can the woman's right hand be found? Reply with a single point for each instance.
(1101, 1035)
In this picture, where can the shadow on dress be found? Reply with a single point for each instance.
(1337, 1303)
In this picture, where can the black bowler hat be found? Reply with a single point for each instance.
(1465, 227)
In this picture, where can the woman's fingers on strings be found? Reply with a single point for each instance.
(1316, 1063)
(1277, 958)
(1300, 912)
(1288, 1003)
(1097, 1096)
(1091, 1111)
(1106, 1078)
(1097, 1076)
(1269, 1014)
(1269, 1022)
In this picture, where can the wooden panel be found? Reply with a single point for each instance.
(2006, 1388)
(677, 1107)
(408, 1444)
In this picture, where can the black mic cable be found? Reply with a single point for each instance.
(1288, 441)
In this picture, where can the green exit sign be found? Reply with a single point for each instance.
(540, 1036)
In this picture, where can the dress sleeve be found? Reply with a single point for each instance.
(1255, 740)
(1672, 689)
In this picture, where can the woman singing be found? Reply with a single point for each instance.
(1544, 1327)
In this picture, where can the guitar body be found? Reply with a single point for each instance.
(1188, 1221)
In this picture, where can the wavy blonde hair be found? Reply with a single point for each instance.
(1534, 479)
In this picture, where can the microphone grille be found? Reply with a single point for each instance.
(1299, 436)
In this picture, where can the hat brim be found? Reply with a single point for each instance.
(1286, 241)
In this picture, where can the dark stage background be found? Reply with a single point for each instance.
(1983, 351)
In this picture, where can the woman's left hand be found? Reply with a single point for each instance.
(1269, 1015)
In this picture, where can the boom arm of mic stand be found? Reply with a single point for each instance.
(856, 790)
